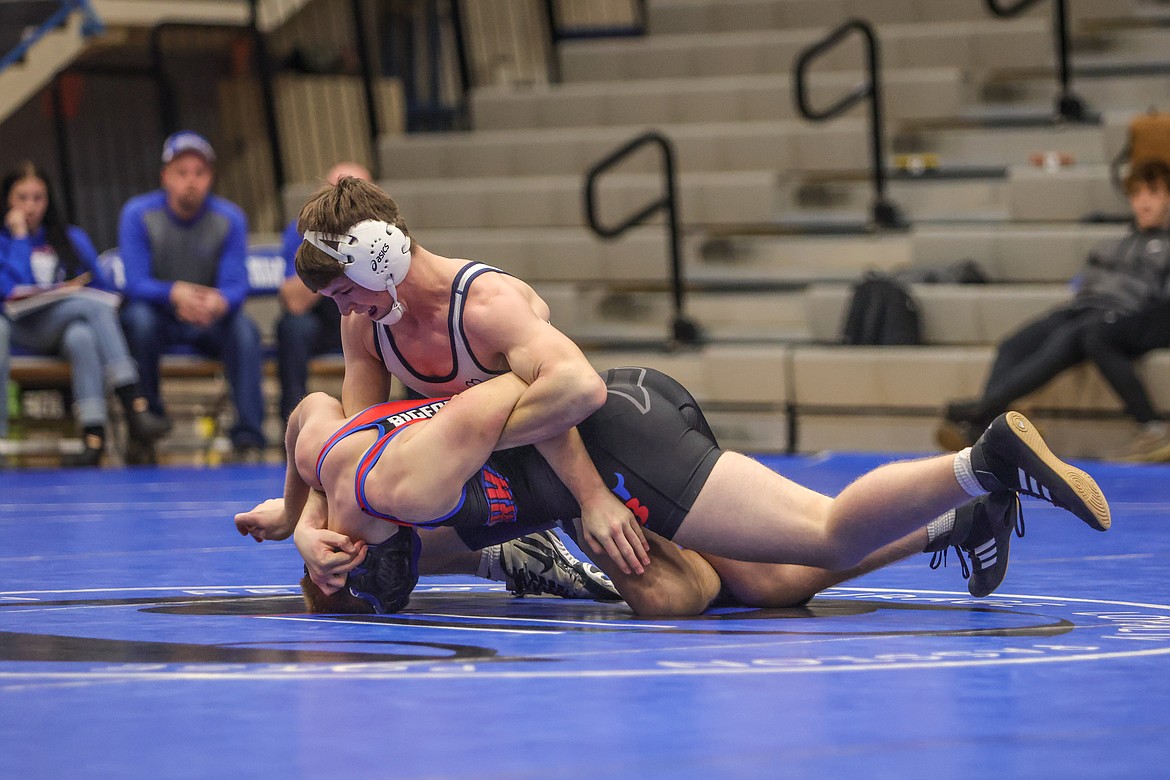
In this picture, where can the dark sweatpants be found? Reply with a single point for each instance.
(1066, 336)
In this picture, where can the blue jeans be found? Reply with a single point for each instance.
(86, 333)
(234, 339)
(298, 338)
(5, 329)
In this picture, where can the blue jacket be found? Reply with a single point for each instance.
(16, 255)
(158, 249)
(290, 242)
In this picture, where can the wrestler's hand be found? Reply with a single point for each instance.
(266, 520)
(329, 556)
(608, 526)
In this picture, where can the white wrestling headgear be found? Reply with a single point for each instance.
(374, 254)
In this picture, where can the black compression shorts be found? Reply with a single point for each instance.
(651, 445)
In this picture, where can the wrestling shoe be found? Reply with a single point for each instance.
(540, 563)
(1011, 455)
(388, 573)
(983, 533)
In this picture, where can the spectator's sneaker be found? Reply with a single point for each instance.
(982, 532)
(1151, 445)
(248, 455)
(1011, 455)
(961, 425)
(953, 436)
(146, 426)
(540, 563)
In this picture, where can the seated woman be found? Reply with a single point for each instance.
(37, 249)
(412, 464)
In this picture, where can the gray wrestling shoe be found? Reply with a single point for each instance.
(1011, 455)
(983, 532)
(540, 563)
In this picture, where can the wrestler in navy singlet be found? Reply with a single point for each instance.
(466, 370)
(649, 441)
(651, 445)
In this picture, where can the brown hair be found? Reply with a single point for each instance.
(341, 602)
(1149, 172)
(335, 209)
(55, 226)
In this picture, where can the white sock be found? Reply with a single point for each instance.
(489, 564)
(940, 526)
(965, 474)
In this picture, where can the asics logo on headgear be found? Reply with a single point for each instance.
(370, 241)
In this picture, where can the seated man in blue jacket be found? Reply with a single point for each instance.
(310, 323)
(184, 253)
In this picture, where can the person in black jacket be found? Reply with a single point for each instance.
(1120, 310)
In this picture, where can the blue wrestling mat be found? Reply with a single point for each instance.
(140, 636)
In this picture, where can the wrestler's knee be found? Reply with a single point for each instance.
(676, 599)
(677, 584)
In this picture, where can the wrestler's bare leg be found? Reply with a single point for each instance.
(788, 585)
(748, 512)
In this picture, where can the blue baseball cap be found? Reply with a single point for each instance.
(187, 141)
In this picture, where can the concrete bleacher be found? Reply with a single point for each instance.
(909, 92)
(782, 145)
(971, 45)
(769, 292)
(702, 16)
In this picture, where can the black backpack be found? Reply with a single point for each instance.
(882, 312)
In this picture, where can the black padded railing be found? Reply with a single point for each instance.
(884, 212)
(1068, 105)
(684, 330)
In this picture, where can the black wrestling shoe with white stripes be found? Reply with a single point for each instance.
(983, 533)
(1011, 455)
(541, 564)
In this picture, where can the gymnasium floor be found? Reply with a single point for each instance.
(140, 636)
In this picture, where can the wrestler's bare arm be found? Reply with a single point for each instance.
(421, 473)
(366, 380)
(328, 553)
(563, 388)
(275, 518)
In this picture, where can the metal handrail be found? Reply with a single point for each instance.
(885, 212)
(684, 330)
(1068, 105)
(90, 25)
(362, 50)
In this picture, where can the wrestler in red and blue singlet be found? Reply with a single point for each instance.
(649, 441)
